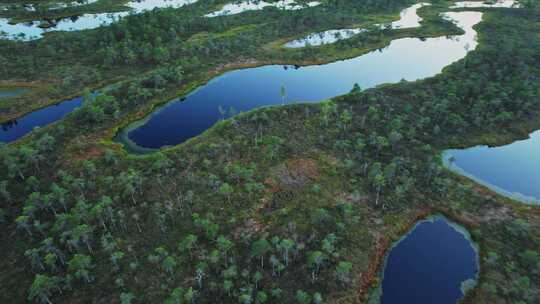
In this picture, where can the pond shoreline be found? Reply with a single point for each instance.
(201, 104)
(449, 164)
(244, 63)
(370, 279)
(432, 218)
(268, 58)
(370, 282)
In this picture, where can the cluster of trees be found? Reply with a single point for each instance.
(72, 222)
(247, 271)
(519, 284)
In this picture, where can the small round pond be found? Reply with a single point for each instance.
(436, 262)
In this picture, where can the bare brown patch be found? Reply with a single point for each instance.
(272, 185)
(254, 225)
(496, 214)
(88, 151)
(291, 174)
(296, 173)
(354, 199)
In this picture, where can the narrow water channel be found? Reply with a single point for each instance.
(242, 90)
(512, 170)
(434, 263)
(15, 129)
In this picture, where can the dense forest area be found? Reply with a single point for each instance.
(289, 204)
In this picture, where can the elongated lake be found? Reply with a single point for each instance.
(512, 170)
(243, 90)
(15, 129)
(435, 263)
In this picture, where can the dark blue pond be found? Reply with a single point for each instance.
(15, 129)
(512, 170)
(242, 90)
(429, 265)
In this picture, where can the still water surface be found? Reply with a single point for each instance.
(15, 129)
(430, 265)
(512, 170)
(246, 89)
(243, 90)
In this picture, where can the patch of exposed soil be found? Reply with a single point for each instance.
(296, 173)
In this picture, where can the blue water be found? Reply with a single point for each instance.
(408, 58)
(513, 169)
(242, 90)
(16, 129)
(429, 265)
